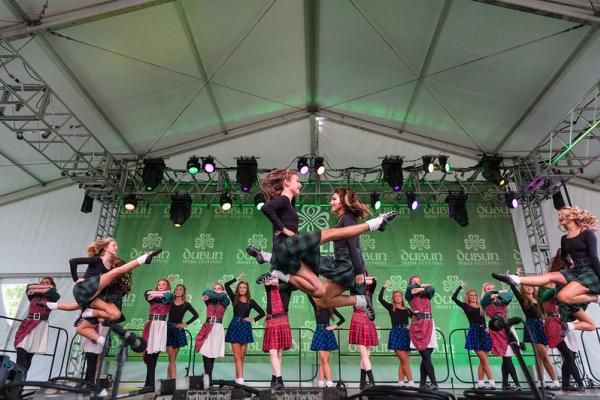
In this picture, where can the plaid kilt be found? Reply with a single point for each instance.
(553, 330)
(323, 339)
(399, 338)
(478, 338)
(289, 251)
(584, 275)
(339, 269)
(536, 326)
(239, 331)
(85, 290)
(362, 330)
(277, 334)
(175, 336)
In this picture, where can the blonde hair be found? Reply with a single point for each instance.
(164, 280)
(220, 284)
(583, 218)
(96, 248)
(272, 184)
(401, 301)
(351, 202)
(466, 298)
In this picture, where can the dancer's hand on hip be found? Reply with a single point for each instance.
(287, 232)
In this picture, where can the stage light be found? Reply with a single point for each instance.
(490, 169)
(181, 208)
(208, 164)
(375, 201)
(247, 168)
(511, 200)
(428, 164)
(558, 201)
(88, 203)
(444, 164)
(319, 165)
(303, 166)
(392, 172)
(457, 208)
(411, 200)
(130, 202)
(226, 201)
(46, 134)
(152, 174)
(259, 201)
(193, 165)
(19, 135)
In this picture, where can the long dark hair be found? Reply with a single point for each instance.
(51, 281)
(272, 184)
(238, 295)
(351, 202)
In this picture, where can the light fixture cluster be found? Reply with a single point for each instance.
(304, 166)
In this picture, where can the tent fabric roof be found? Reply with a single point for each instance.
(456, 73)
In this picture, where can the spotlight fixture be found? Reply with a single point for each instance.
(19, 135)
(375, 201)
(303, 166)
(511, 200)
(428, 164)
(444, 164)
(208, 164)
(392, 172)
(319, 165)
(247, 168)
(411, 200)
(130, 202)
(152, 174)
(226, 201)
(457, 208)
(259, 201)
(558, 200)
(181, 208)
(87, 205)
(491, 170)
(193, 165)
(45, 134)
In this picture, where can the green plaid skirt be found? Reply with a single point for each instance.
(339, 269)
(583, 275)
(83, 291)
(289, 251)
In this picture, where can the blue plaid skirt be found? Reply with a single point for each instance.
(175, 336)
(239, 331)
(399, 338)
(323, 339)
(536, 326)
(478, 338)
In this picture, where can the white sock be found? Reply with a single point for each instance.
(555, 383)
(51, 306)
(374, 223)
(570, 326)
(239, 381)
(280, 275)
(142, 259)
(492, 383)
(329, 384)
(321, 384)
(87, 313)
(480, 383)
(266, 256)
(515, 278)
(361, 300)
(411, 383)
(101, 340)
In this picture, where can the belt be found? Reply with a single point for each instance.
(582, 262)
(214, 320)
(38, 316)
(271, 316)
(157, 317)
(422, 315)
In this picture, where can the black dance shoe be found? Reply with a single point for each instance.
(387, 217)
(504, 278)
(256, 253)
(369, 309)
(262, 278)
(151, 254)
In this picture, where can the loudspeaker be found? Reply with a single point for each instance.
(305, 394)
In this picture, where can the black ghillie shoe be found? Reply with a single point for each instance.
(151, 254)
(256, 253)
(387, 217)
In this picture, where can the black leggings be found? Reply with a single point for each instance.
(24, 359)
(426, 368)
(569, 368)
(150, 360)
(91, 362)
(508, 369)
(209, 363)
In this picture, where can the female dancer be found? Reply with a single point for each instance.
(98, 275)
(422, 328)
(495, 304)
(210, 341)
(176, 327)
(399, 339)
(478, 337)
(581, 279)
(296, 255)
(364, 334)
(32, 334)
(278, 336)
(324, 340)
(239, 333)
(155, 329)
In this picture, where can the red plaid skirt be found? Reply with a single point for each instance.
(553, 331)
(277, 334)
(362, 330)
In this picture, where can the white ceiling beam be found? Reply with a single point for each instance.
(21, 167)
(35, 190)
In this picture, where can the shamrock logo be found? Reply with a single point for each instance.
(175, 279)
(451, 283)
(204, 241)
(313, 219)
(367, 243)
(308, 329)
(398, 283)
(474, 242)
(225, 278)
(135, 323)
(151, 240)
(258, 241)
(420, 242)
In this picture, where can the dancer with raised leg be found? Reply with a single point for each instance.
(176, 327)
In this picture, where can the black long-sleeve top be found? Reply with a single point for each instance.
(281, 213)
(323, 315)
(534, 310)
(351, 245)
(95, 266)
(285, 292)
(177, 312)
(473, 313)
(582, 246)
(399, 316)
(242, 309)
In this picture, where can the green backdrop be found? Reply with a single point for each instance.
(210, 248)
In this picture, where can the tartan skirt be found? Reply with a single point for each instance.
(399, 338)
(323, 339)
(85, 290)
(362, 330)
(175, 336)
(478, 338)
(239, 331)
(278, 335)
(536, 326)
(339, 269)
(584, 275)
(553, 330)
(289, 251)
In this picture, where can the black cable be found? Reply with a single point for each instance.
(389, 391)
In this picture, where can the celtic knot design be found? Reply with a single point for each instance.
(420, 242)
(204, 241)
(313, 219)
(151, 240)
(367, 243)
(258, 241)
(474, 242)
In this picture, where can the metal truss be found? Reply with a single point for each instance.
(76, 358)
(107, 220)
